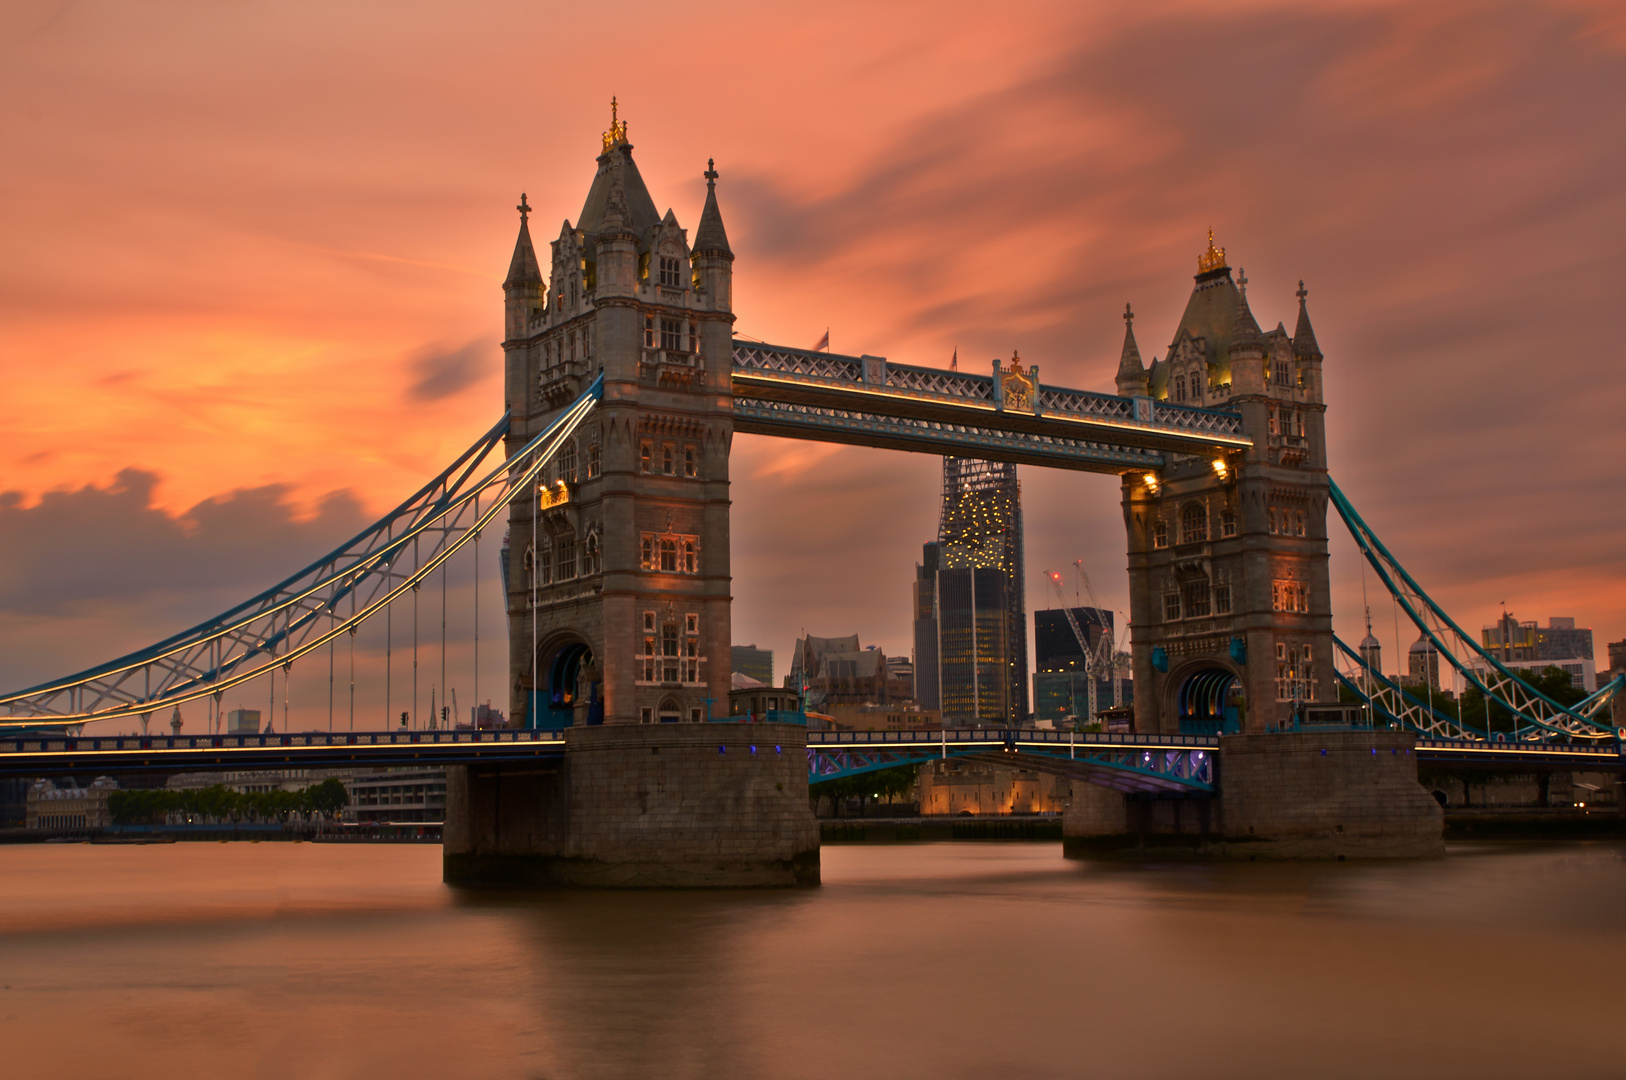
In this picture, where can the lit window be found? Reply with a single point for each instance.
(1275, 424)
(688, 557)
(691, 623)
(649, 620)
(688, 461)
(1273, 520)
(1160, 534)
(644, 455)
(648, 563)
(666, 460)
(669, 556)
(594, 461)
(649, 331)
(1298, 522)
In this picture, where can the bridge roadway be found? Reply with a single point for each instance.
(1145, 763)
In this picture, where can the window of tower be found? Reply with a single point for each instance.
(1171, 606)
(567, 461)
(649, 621)
(688, 461)
(671, 272)
(647, 562)
(1193, 523)
(544, 568)
(1227, 522)
(1222, 598)
(1160, 534)
(1272, 516)
(644, 455)
(595, 463)
(672, 335)
(649, 331)
(1196, 599)
(648, 664)
(1179, 388)
(567, 558)
(666, 459)
(1275, 424)
(590, 554)
(1298, 523)
(669, 556)
(669, 653)
(688, 557)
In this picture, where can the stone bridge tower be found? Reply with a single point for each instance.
(1231, 608)
(619, 574)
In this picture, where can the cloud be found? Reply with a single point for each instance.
(440, 374)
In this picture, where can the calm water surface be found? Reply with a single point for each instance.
(935, 960)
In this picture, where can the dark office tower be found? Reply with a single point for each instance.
(981, 622)
(924, 594)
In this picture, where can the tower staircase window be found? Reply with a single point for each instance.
(671, 272)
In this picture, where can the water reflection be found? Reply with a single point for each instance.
(933, 960)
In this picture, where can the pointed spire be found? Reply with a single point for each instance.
(1245, 335)
(1304, 343)
(523, 268)
(710, 238)
(617, 218)
(1131, 372)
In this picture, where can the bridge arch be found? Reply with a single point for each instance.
(1207, 697)
(568, 680)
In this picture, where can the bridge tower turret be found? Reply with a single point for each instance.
(1231, 607)
(619, 609)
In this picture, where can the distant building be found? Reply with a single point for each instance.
(484, 716)
(884, 718)
(961, 788)
(752, 661)
(1423, 663)
(243, 722)
(251, 781)
(397, 796)
(924, 595)
(52, 807)
(751, 698)
(1560, 639)
(977, 586)
(1061, 687)
(1617, 657)
(900, 672)
(1583, 672)
(838, 670)
(1526, 646)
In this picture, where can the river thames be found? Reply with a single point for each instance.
(997, 960)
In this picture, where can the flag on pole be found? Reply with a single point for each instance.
(823, 342)
(954, 361)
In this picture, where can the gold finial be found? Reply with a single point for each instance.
(1213, 258)
(618, 128)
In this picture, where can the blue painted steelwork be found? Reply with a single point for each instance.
(307, 610)
(1537, 717)
(1131, 763)
(865, 400)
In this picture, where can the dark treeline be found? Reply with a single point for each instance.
(221, 803)
(882, 784)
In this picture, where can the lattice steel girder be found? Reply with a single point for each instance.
(756, 416)
(872, 386)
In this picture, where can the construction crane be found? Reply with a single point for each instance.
(1114, 659)
(1092, 663)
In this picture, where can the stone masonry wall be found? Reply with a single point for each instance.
(658, 806)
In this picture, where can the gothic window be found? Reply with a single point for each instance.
(671, 272)
(694, 716)
(666, 460)
(688, 461)
(669, 556)
(1193, 523)
(595, 463)
(1275, 423)
(1196, 599)
(689, 566)
(545, 568)
(530, 565)
(649, 331)
(1272, 514)
(1179, 388)
(1227, 522)
(647, 561)
(691, 623)
(648, 662)
(1288, 595)
(567, 558)
(590, 554)
(649, 622)
(644, 453)
(567, 461)
(1171, 606)
(1160, 534)
(691, 660)
(672, 335)
(669, 653)
(1298, 523)
(1306, 653)
(1222, 599)
(646, 715)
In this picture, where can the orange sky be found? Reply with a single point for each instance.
(254, 250)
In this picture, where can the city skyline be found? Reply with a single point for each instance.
(291, 336)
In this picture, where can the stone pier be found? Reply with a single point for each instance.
(1299, 795)
(640, 806)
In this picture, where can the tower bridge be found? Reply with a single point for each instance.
(624, 385)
